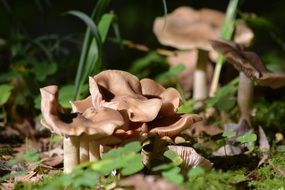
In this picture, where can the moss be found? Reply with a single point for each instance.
(269, 176)
(216, 180)
(37, 185)
(6, 151)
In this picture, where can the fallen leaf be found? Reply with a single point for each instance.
(264, 146)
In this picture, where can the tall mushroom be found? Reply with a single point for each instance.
(251, 70)
(189, 29)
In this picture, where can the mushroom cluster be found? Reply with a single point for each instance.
(120, 108)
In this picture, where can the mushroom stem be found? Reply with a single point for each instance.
(84, 150)
(70, 153)
(245, 97)
(200, 87)
(94, 151)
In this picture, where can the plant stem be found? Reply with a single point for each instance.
(226, 33)
(70, 153)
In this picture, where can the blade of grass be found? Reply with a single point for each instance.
(99, 9)
(93, 52)
(117, 33)
(104, 25)
(226, 34)
(165, 12)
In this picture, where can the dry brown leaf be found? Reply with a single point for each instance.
(264, 146)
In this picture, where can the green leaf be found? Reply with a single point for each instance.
(142, 67)
(281, 148)
(195, 172)
(223, 98)
(37, 102)
(85, 179)
(173, 156)
(42, 70)
(65, 95)
(87, 20)
(176, 69)
(121, 151)
(125, 158)
(173, 175)
(246, 138)
(163, 167)
(28, 156)
(133, 165)
(91, 58)
(99, 10)
(104, 166)
(227, 104)
(229, 134)
(5, 90)
(87, 43)
(104, 25)
(186, 107)
(239, 178)
(132, 147)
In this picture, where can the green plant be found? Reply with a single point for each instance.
(126, 160)
(226, 34)
(224, 97)
(90, 61)
(270, 175)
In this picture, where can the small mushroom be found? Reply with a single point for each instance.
(251, 70)
(76, 128)
(190, 158)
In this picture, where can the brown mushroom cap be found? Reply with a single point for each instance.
(186, 28)
(97, 123)
(190, 158)
(139, 110)
(172, 126)
(117, 83)
(243, 34)
(249, 63)
(170, 97)
(121, 90)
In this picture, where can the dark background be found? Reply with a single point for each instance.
(44, 17)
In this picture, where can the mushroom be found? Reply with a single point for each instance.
(189, 29)
(251, 70)
(191, 158)
(77, 129)
(120, 108)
